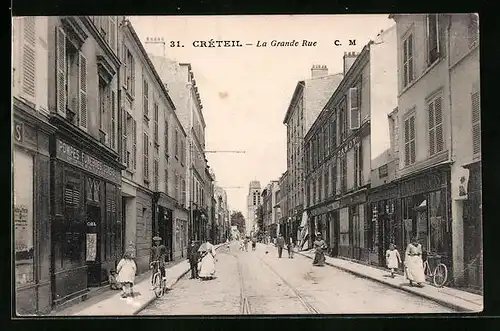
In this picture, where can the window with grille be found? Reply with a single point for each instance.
(410, 148)
(145, 161)
(476, 124)
(408, 74)
(435, 124)
(473, 29)
(432, 38)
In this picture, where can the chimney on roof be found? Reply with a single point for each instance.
(349, 58)
(319, 70)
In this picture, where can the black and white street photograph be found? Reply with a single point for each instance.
(258, 165)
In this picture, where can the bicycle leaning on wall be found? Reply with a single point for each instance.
(438, 275)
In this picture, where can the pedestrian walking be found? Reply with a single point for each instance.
(158, 258)
(126, 270)
(228, 244)
(414, 266)
(254, 243)
(393, 259)
(320, 247)
(280, 243)
(290, 248)
(193, 256)
(113, 283)
(207, 265)
(246, 244)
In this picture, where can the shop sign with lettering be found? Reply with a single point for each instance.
(347, 146)
(79, 158)
(426, 183)
(18, 131)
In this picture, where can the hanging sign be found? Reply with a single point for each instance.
(91, 246)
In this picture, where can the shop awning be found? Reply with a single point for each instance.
(303, 223)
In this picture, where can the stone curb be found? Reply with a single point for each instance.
(153, 298)
(410, 290)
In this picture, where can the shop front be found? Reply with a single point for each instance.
(163, 209)
(383, 227)
(324, 219)
(473, 221)
(352, 219)
(425, 213)
(30, 211)
(86, 223)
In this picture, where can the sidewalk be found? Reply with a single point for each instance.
(115, 305)
(456, 299)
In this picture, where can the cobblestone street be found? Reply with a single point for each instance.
(259, 283)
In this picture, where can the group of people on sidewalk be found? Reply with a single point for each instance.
(244, 243)
(413, 263)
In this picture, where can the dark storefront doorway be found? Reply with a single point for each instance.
(165, 229)
(92, 245)
(333, 232)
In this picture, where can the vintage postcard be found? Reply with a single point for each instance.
(246, 165)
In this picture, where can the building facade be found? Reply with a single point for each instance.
(341, 143)
(439, 113)
(31, 160)
(306, 103)
(181, 84)
(253, 201)
(153, 183)
(85, 184)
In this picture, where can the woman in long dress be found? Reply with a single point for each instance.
(207, 267)
(414, 266)
(320, 247)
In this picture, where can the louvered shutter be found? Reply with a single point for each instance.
(113, 120)
(476, 124)
(407, 142)
(124, 137)
(473, 29)
(82, 72)
(146, 97)
(438, 122)
(405, 61)
(61, 72)
(112, 33)
(432, 131)
(123, 69)
(412, 140)
(134, 144)
(353, 104)
(28, 79)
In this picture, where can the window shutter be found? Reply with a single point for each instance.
(155, 174)
(82, 97)
(145, 155)
(112, 32)
(134, 143)
(405, 61)
(124, 137)
(473, 29)
(61, 72)
(407, 142)
(113, 121)
(476, 124)
(412, 139)
(432, 142)
(353, 105)
(132, 75)
(124, 69)
(29, 58)
(145, 92)
(438, 121)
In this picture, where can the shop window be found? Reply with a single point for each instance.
(415, 219)
(23, 218)
(437, 222)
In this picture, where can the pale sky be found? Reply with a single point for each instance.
(245, 91)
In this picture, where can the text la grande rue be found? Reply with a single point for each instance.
(292, 43)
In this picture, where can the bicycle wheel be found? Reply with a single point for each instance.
(157, 285)
(440, 275)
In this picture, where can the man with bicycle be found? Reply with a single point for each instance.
(158, 256)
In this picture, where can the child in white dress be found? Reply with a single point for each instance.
(392, 258)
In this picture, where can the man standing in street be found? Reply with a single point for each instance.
(193, 257)
(280, 243)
